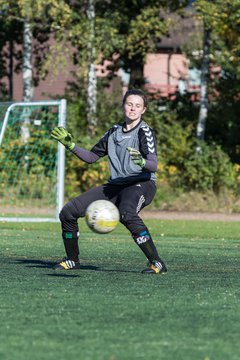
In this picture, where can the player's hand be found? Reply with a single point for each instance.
(63, 136)
(136, 157)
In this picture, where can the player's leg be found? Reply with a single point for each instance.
(69, 216)
(131, 200)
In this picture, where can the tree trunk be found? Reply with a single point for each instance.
(10, 70)
(203, 111)
(27, 78)
(92, 78)
(27, 62)
(136, 73)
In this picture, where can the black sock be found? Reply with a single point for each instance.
(145, 242)
(70, 240)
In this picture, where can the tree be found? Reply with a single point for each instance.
(215, 50)
(122, 32)
(10, 34)
(129, 29)
(222, 20)
(30, 14)
(92, 77)
(137, 28)
(222, 17)
(203, 110)
(27, 69)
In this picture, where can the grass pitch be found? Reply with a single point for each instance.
(108, 310)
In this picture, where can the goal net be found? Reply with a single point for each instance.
(31, 163)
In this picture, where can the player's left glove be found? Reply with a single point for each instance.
(63, 136)
(136, 157)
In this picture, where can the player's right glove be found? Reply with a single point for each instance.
(63, 136)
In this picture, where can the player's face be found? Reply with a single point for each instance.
(134, 107)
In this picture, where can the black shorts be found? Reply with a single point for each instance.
(129, 198)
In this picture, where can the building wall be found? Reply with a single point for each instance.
(161, 71)
(52, 87)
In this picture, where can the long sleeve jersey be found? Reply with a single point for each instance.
(114, 144)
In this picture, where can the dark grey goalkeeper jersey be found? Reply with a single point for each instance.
(114, 144)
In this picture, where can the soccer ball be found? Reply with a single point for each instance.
(102, 216)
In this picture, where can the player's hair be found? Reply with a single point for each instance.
(136, 92)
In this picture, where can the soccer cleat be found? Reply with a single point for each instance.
(67, 264)
(155, 267)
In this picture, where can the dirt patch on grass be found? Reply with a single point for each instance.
(181, 215)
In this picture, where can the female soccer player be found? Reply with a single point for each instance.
(132, 158)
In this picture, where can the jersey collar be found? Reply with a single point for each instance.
(125, 131)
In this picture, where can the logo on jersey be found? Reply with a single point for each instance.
(150, 140)
(140, 202)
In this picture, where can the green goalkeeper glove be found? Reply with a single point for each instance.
(136, 157)
(63, 136)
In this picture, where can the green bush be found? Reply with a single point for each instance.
(209, 170)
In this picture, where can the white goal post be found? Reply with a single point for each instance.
(32, 165)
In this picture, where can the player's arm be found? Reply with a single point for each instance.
(65, 138)
(151, 163)
(85, 155)
(97, 151)
(148, 148)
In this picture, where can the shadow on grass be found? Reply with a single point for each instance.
(49, 264)
(36, 263)
(59, 273)
(46, 264)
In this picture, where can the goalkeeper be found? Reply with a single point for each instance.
(132, 158)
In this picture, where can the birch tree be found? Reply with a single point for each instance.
(29, 13)
(92, 77)
(138, 28)
(203, 110)
(27, 75)
(221, 45)
(27, 70)
(50, 13)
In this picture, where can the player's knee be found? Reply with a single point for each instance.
(128, 219)
(125, 218)
(132, 222)
(67, 214)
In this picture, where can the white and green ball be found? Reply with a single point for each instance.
(102, 216)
